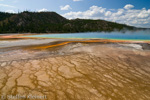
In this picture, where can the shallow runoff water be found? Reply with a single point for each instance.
(138, 35)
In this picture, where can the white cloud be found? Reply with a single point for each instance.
(77, 0)
(128, 6)
(144, 14)
(93, 12)
(66, 7)
(4, 5)
(10, 11)
(108, 13)
(134, 17)
(43, 10)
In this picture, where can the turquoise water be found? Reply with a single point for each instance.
(140, 35)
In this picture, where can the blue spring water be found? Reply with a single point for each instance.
(139, 35)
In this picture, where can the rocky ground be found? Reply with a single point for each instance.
(76, 71)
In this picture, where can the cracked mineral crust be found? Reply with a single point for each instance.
(93, 72)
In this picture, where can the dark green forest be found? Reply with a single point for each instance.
(51, 22)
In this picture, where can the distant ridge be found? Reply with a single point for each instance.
(51, 22)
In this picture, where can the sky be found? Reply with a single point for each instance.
(130, 12)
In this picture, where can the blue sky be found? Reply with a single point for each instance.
(131, 12)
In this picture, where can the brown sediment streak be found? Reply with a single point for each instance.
(18, 36)
(64, 43)
(88, 41)
(44, 47)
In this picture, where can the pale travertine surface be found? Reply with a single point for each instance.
(78, 72)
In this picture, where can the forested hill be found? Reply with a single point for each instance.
(47, 22)
(3, 15)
